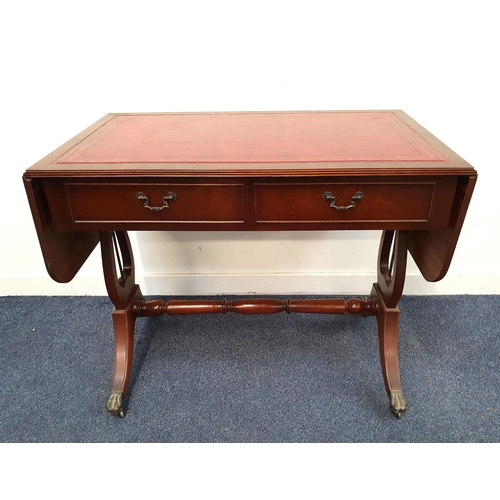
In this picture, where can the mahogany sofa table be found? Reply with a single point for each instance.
(361, 170)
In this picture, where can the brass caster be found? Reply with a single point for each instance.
(398, 404)
(115, 406)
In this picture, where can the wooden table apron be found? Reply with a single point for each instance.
(251, 172)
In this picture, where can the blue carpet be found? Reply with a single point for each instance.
(237, 378)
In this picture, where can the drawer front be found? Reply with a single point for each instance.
(353, 202)
(242, 204)
(173, 203)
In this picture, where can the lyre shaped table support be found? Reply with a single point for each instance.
(387, 292)
(118, 264)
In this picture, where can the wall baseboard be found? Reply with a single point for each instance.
(253, 284)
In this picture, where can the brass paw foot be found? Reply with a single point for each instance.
(398, 403)
(115, 404)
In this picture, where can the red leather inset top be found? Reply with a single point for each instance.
(253, 138)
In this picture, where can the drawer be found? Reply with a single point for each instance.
(342, 203)
(155, 203)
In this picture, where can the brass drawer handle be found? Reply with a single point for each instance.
(144, 199)
(327, 196)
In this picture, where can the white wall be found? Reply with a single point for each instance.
(66, 64)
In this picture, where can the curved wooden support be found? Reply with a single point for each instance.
(117, 255)
(256, 306)
(392, 259)
(123, 323)
(124, 293)
(387, 291)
